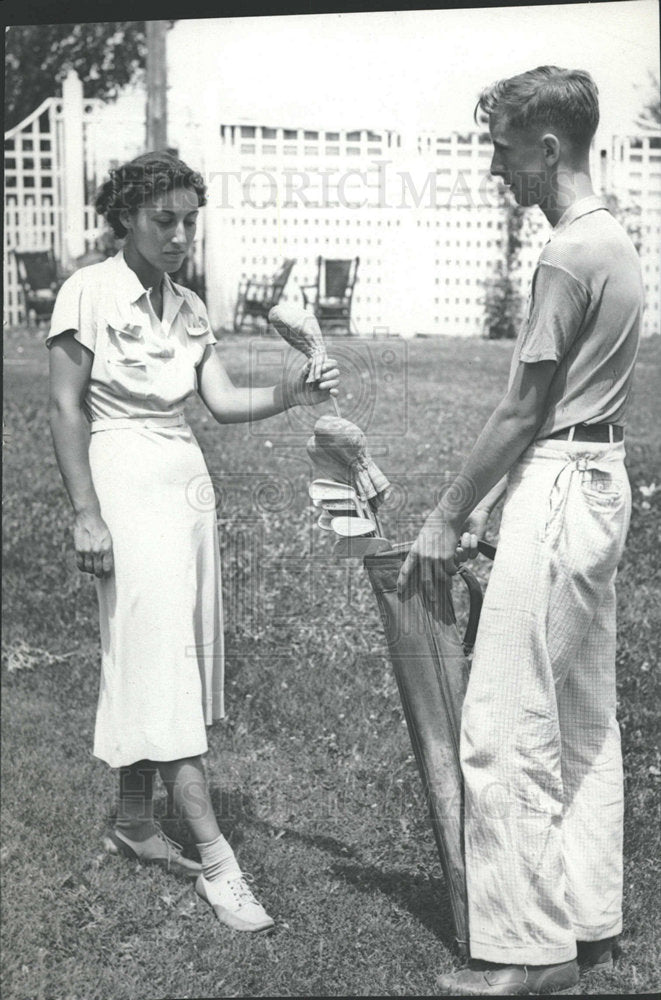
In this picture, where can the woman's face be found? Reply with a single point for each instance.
(163, 230)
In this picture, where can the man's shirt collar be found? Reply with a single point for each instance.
(584, 206)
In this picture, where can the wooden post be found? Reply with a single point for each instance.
(73, 187)
(157, 113)
(217, 160)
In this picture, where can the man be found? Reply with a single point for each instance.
(540, 747)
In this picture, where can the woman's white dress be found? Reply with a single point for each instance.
(160, 611)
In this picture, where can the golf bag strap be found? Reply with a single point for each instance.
(475, 595)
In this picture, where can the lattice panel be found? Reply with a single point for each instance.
(33, 195)
(34, 190)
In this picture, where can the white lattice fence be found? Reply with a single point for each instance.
(51, 174)
(33, 195)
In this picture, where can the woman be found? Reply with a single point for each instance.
(127, 347)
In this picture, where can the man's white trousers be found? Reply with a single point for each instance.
(540, 744)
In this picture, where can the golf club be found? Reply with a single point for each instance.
(356, 548)
(338, 504)
(347, 507)
(326, 489)
(322, 490)
(352, 527)
(374, 517)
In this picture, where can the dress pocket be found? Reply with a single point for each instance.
(198, 328)
(126, 351)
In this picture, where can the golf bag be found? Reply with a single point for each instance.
(429, 660)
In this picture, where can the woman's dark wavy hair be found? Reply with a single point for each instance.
(139, 181)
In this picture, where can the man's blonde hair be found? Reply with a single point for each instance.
(564, 99)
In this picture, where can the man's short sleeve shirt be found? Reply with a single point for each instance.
(584, 313)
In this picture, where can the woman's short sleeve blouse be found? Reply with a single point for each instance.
(142, 365)
(75, 310)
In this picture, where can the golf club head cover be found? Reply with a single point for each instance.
(301, 330)
(327, 466)
(339, 447)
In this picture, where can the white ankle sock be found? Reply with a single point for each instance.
(218, 860)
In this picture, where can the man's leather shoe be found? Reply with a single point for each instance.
(486, 979)
(596, 955)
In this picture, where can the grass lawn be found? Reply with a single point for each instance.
(312, 771)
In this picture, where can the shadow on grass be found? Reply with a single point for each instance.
(425, 899)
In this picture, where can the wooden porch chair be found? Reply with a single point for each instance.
(333, 292)
(256, 298)
(40, 281)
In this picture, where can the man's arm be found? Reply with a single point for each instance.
(506, 435)
(488, 502)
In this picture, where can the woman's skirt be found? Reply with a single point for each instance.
(161, 609)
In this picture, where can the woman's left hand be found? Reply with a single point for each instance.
(298, 392)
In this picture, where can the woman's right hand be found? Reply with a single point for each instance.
(93, 544)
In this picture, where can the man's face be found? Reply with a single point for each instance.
(518, 159)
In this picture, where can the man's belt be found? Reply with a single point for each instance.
(591, 432)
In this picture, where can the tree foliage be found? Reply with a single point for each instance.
(629, 216)
(650, 116)
(502, 301)
(107, 56)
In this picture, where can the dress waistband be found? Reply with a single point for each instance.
(121, 423)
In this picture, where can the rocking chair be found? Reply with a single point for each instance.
(333, 292)
(257, 298)
(40, 282)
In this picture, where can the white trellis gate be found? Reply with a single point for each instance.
(53, 162)
(44, 184)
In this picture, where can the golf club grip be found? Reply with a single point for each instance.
(486, 549)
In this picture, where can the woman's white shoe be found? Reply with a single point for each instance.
(234, 903)
(158, 849)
